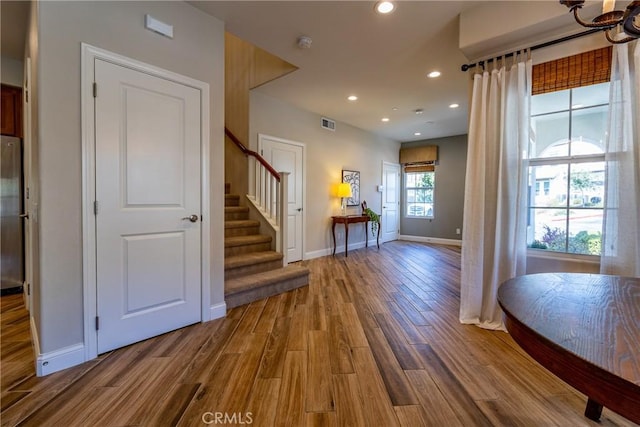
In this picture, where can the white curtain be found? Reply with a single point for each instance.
(494, 224)
(621, 224)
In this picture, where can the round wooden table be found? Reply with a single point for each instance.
(585, 329)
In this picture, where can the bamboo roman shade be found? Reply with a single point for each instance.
(420, 168)
(419, 159)
(584, 69)
(423, 154)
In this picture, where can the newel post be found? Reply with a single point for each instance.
(282, 215)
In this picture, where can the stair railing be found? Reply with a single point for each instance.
(269, 194)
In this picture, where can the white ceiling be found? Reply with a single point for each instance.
(381, 59)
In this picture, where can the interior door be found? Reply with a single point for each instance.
(148, 205)
(27, 176)
(287, 156)
(390, 201)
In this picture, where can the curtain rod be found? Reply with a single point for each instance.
(465, 67)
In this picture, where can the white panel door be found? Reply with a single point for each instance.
(390, 201)
(29, 190)
(287, 156)
(147, 188)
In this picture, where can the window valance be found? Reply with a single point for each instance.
(425, 154)
(583, 69)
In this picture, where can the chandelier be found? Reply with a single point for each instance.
(628, 20)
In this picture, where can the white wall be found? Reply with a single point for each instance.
(327, 153)
(540, 261)
(11, 71)
(197, 51)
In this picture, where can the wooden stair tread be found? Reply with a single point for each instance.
(243, 260)
(258, 280)
(236, 209)
(252, 271)
(239, 223)
(246, 240)
(231, 200)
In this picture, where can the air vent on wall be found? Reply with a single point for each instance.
(328, 124)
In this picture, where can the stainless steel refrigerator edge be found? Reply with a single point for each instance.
(11, 227)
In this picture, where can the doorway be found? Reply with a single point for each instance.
(145, 216)
(288, 156)
(390, 201)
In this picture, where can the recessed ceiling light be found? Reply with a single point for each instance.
(385, 7)
(352, 98)
(417, 133)
(395, 108)
(418, 111)
(385, 119)
(434, 74)
(454, 106)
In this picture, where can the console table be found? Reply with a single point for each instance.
(351, 219)
(585, 329)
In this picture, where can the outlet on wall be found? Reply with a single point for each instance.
(457, 231)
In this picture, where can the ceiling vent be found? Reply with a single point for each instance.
(328, 124)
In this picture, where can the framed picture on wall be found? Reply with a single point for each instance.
(353, 179)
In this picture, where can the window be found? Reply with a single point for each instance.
(566, 169)
(419, 194)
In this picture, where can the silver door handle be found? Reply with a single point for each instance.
(192, 218)
(24, 215)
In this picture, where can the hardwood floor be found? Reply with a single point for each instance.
(374, 340)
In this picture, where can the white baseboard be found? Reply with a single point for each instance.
(434, 240)
(372, 244)
(329, 251)
(54, 361)
(318, 254)
(217, 311)
(339, 249)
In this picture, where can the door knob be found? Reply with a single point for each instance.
(299, 209)
(24, 215)
(192, 218)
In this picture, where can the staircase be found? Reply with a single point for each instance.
(252, 270)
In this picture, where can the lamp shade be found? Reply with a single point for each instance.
(344, 190)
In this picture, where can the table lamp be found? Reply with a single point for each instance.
(344, 192)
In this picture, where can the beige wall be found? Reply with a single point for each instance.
(327, 153)
(448, 194)
(196, 51)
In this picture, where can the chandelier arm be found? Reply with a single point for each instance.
(603, 25)
(629, 18)
(607, 34)
(580, 21)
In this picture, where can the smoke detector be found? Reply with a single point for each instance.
(304, 42)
